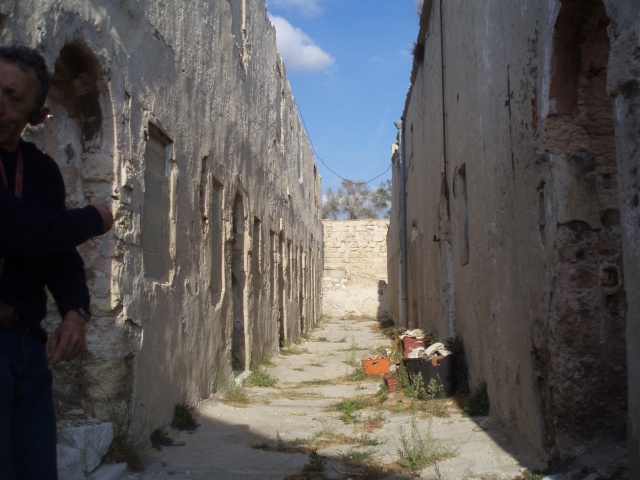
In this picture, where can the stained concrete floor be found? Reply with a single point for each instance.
(296, 411)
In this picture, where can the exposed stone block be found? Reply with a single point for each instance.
(69, 463)
(92, 441)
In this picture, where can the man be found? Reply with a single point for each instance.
(37, 249)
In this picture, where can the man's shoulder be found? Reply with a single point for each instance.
(32, 153)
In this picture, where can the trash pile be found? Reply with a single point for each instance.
(414, 345)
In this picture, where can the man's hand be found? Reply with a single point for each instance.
(68, 340)
(107, 217)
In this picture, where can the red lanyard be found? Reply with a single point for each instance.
(19, 175)
(17, 187)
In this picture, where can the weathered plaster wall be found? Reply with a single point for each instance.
(355, 268)
(216, 256)
(513, 210)
(623, 84)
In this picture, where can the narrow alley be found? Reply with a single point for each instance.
(321, 400)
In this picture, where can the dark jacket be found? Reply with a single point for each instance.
(38, 238)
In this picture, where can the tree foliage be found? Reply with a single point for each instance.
(355, 200)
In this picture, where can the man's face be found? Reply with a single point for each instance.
(18, 92)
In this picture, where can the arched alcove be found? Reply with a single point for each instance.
(238, 281)
(584, 348)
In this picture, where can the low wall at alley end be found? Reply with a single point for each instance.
(355, 268)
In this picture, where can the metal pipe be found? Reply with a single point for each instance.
(403, 226)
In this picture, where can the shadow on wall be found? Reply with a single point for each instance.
(383, 300)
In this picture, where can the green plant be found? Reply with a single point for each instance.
(160, 438)
(235, 395)
(356, 457)
(357, 375)
(261, 378)
(529, 475)
(183, 418)
(374, 421)
(315, 464)
(420, 449)
(437, 398)
(323, 339)
(292, 351)
(348, 407)
(412, 387)
(265, 359)
(478, 402)
(367, 441)
(125, 450)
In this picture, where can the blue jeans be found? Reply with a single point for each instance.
(27, 417)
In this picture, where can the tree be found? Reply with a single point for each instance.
(355, 200)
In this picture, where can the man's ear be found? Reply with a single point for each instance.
(38, 117)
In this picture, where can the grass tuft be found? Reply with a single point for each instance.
(420, 449)
(183, 418)
(478, 403)
(236, 396)
(261, 378)
(160, 438)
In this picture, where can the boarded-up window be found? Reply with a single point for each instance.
(156, 208)
(215, 218)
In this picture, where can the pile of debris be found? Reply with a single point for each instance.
(414, 345)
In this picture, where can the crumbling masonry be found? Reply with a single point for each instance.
(180, 115)
(519, 154)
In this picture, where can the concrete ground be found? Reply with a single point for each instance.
(271, 436)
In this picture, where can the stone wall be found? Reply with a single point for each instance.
(181, 116)
(355, 268)
(519, 156)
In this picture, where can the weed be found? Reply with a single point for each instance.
(323, 339)
(357, 375)
(342, 340)
(316, 382)
(386, 323)
(374, 421)
(315, 464)
(529, 475)
(159, 438)
(297, 395)
(412, 387)
(316, 364)
(437, 398)
(420, 449)
(298, 369)
(183, 418)
(367, 441)
(292, 351)
(124, 450)
(265, 359)
(260, 378)
(356, 457)
(478, 403)
(235, 395)
(348, 407)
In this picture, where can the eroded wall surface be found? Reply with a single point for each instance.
(355, 268)
(180, 115)
(520, 154)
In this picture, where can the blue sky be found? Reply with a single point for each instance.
(349, 65)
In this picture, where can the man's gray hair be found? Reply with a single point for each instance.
(28, 58)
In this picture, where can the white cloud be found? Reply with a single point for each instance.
(299, 52)
(307, 7)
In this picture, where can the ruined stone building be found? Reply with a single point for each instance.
(181, 116)
(516, 220)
